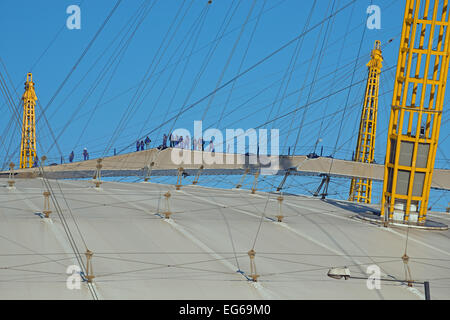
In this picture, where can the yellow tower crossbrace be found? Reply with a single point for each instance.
(361, 189)
(416, 111)
(28, 142)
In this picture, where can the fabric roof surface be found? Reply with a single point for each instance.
(201, 251)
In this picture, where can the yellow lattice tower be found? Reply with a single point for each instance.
(416, 111)
(28, 142)
(361, 189)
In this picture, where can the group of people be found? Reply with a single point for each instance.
(71, 157)
(176, 141)
(85, 155)
(186, 143)
(140, 144)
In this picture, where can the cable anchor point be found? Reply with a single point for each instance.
(167, 213)
(11, 181)
(46, 210)
(253, 275)
(89, 271)
(98, 173)
(280, 214)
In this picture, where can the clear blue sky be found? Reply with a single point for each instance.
(85, 117)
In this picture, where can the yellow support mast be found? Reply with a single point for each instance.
(28, 142)
(416, 112)
(361, 189)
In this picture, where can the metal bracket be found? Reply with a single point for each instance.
(239, 185)
(89, 272)
(179, 177)
(197, 176)
(98, 173)
(148, 171)
(11, 180)
(253, 275)
(167, 213)
(325, 182)
(255, 182)
(280, 213)
(280, 187)
(46, 210)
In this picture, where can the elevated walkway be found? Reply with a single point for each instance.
(165, 163)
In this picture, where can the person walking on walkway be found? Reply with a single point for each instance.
(71, 156)
(147, 142)
(187, 143)
(164, 144)
(85, 154)
(142, 145)
(138, 144)
(171, 140)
